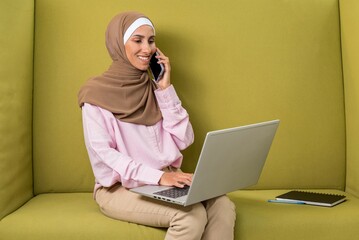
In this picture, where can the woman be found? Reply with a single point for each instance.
(134, 131)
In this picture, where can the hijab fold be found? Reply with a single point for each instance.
(124, 90)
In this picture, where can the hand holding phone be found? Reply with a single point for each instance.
(164, 78)
(157, 69)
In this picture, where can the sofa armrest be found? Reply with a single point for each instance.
(16, 74)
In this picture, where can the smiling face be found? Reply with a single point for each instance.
(140, 47)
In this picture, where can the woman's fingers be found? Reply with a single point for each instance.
(177, 179)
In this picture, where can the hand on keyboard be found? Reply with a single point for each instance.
(177, 179)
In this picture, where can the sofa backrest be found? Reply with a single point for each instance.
(349, 10)
(16, 67)
(234, 63)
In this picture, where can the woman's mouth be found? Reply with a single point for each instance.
(145, 59)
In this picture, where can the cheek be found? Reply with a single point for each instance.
(153, 48)
(131, 48)
(130, 51)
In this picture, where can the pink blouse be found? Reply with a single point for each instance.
(135, 154)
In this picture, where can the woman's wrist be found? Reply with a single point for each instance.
(163, 86)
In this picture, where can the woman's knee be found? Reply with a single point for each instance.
(220, 202)
(190, 222)
(221, 207)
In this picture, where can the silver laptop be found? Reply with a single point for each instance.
(230, 159)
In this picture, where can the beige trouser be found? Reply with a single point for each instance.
(212, 219)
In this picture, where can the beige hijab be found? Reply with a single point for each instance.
(124, 90)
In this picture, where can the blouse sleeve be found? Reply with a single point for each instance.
(175, 117)
(108, 164)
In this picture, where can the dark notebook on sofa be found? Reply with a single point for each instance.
(312, 198)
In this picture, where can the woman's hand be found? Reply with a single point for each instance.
(177, 179)
(165, 81)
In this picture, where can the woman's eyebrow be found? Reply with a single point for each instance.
(138, 35)
(141, 36)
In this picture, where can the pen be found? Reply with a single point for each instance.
(284, 201)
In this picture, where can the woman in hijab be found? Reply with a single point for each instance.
(134, 131)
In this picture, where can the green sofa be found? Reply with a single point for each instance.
(234, 63)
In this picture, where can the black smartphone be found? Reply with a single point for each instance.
(156, 69)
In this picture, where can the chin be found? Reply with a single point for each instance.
(143, 68)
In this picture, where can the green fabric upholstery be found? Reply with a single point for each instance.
(257, 219)
(349, 10)
(80, 218)
(69, 216)
(233, 63)
(16, 66)
(261, 60)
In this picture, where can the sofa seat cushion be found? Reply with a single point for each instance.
(77, 216)
(69, 216)
(258, 219)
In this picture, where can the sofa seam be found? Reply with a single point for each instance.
(344, 95)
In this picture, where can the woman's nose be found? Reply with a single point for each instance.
(146, 48)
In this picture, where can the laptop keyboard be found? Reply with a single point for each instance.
(174, 192)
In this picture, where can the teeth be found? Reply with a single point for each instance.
(144, 58)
